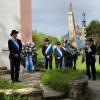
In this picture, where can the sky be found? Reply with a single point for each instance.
(50, 16)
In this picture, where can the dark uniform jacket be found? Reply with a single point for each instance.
(44, 47)
(55, 53)
(90, 56)
(13, 49)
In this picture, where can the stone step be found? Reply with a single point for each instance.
(67, 99)
(50, 94)
(59, 97)
(30, 93)
(53, 98)
(2, 72)
(3, 68)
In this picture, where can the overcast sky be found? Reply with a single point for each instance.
(50, 16)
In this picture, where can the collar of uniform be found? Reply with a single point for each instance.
(14, 39)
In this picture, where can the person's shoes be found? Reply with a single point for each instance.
(13, 81)
(74, 68)
(89, 77)
(93, 79)
(17, 81)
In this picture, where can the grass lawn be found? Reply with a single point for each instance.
(57, 78)
(7, 85)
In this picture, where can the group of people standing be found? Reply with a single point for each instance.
(61, 55)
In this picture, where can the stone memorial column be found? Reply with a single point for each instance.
(71, 27)
(26, 20)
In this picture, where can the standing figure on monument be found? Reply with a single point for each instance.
(58, 55)
(90, 58)
(47, 51)
(15, 47)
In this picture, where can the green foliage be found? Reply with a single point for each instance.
(56, 79)
(39, 59)
(53, 40)
(94, 29)
(38, 38)
(7, 85)
(15, 97)
(62, 40)
(12, 97)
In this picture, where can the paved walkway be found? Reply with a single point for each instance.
(95, 87)
(25, 77)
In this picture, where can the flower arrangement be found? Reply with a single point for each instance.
(29, 56)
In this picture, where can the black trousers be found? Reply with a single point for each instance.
(68, 64)
(68, 60)
(74, 63)
(15, 67)
(58, 62)
(48, 62)
(91, 67)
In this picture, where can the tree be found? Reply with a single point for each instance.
(38, 38)
(94, 29)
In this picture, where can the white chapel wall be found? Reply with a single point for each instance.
(9, 18)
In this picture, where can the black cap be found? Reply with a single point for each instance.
(58, 43)
(65, 41)
(89, 39)
(14, 32)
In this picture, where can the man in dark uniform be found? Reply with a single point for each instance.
(75, 57)
(48, 58)
(58, 60)
(67, 56)
(90, 58)
(99, 51)
(70, 55)
(15, 47)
